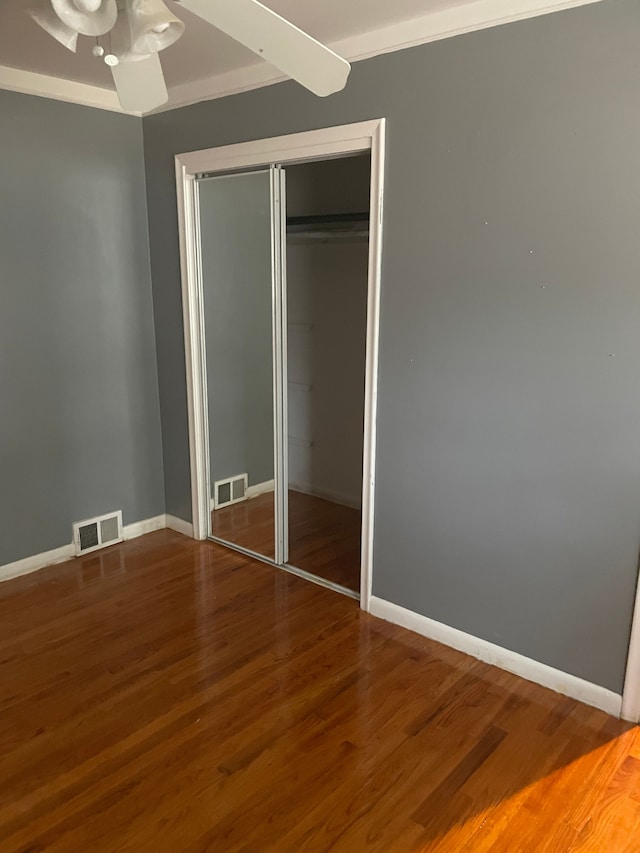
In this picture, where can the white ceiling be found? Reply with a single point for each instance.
(203, 50)
(205, 63)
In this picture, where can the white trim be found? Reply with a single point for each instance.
(192, 302)
(432, 26)
(631, 692)
(448, 23)
(251, 492)
(371, 364)
(68, 552)
(260, 489)
(282, 307)
(327, 495)
(139, 528)
(294, 148)
(279, 326)
(532, 670)
(59, 89)
(179, 525)
(222, 85)
(36, 562)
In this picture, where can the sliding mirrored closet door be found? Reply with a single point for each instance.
(240, 259)
(284, 359)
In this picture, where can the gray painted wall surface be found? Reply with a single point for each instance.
(508, 488)
(79, 412)
(235, 224)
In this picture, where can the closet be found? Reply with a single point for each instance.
(284, 271)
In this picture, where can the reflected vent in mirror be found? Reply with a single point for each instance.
(97, 532)
(230, 491)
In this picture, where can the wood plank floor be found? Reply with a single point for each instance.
(324, 537)
(168, 695)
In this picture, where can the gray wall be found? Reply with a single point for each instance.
(79, 423)
(508, 489)
(235, 224)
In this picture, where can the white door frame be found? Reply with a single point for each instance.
(631, 691)
(295, 148)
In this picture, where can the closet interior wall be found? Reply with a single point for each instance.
(327, 287)
(327, 315)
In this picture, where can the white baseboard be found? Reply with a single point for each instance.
(250, 492)
(38, 561)
(260, 489)
(67, 552)
(305, 488)
(139, 528)
(327, 495)
(532, 670)
(179, 525)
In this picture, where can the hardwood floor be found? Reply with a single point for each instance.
(168, 695)
(324, 537)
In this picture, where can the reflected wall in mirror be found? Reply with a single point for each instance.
(236, 257)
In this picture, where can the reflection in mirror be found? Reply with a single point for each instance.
(235, 236)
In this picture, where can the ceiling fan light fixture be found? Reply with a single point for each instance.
(140, 29)
(43, 14)
(153, 26)
(144, 27)
(87, 5)
(87, 17)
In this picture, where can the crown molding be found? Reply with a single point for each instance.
(45, 86)
(433, 26)
(447, 23)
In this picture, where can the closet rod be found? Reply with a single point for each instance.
(329, 218)
(329, 223)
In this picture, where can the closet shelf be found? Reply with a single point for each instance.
(333, 226)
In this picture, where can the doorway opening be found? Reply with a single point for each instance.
(323, 347)
(327, 266)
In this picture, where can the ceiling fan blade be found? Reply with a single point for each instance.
(277, 40)
(140, 85)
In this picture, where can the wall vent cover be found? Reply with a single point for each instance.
(230, 491)
(97, 532)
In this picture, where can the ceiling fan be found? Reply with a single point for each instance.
(139, 29)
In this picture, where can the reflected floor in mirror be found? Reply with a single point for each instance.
(250, 524)
(324, 537)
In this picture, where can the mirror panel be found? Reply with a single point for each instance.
(236, 257)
